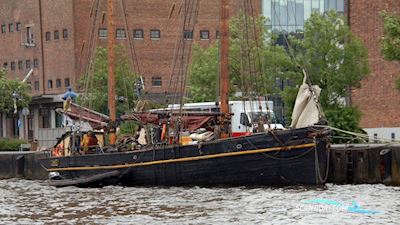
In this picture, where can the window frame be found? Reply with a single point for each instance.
(65, 33)
(48, 36)
(204, 32)
(156, 81)
(10, 27)
(3, 29)
(28, 64)
(18, 26)
(56, 35)
(12, 66)
(36, 63)
(188, 35)
(118, 33)
(137, 37)
(67, 82)
(49, 84)
(20, 65)
(58, 83)
(155, 31)
(103, 31)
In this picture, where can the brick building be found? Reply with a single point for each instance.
(378, 98)
(54, 37)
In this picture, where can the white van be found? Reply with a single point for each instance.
(246, 114)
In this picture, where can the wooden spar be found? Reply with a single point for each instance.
(224, 68)
(111, 75)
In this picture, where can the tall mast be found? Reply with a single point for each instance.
(111, 75)
(224, 68)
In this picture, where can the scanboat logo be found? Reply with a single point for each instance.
(331, 205)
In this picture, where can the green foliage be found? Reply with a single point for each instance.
(391, 36)
(332, 56)
(94, 86)
(254, 62)
(345, 118)
(391, 39)
(11, 144)
(7, 87)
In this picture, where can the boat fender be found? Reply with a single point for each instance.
(164, 130)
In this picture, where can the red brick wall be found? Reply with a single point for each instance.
(378, 99)
(67, 58)
(11, 43)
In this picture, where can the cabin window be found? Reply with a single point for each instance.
(375, 138)
(36, 63)
(156, 81)
(3, 28)
(18, 26)
(50, 84)
(48, 36)
(393, 137)
(66, 82)
(37, 85)
(65, 33)
(204, 34)
(103, 33)
(11, 27)
(58, 83)
(120, 34)
(138, 33)
(12, 66)
(155, 34)
(20, 65)
(56, 35)
(188, 34)
(28, 64)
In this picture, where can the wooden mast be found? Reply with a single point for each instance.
(224, 69)
(111, 75)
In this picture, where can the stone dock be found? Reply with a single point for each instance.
(349, 164)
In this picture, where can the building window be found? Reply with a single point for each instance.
(3, 28)
(18, 26)
(217, 34)
(50, 84)
(48, 36)
(156, 82)
(44, 118)
(36, 63)
(29, 85)
(188, 34)
(204, 34)
(155, 34)
(29, 35)
(5, 66)
(138, 33)
(103, 32)
(56, 35)
(66, 82)
(11, 27)
(65, 33)
(59, 120)
(20, 65)
(12, 66)
(120, 34)
(28, 64)
(36, 85)
(58, 83)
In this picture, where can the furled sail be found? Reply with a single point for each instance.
(306, 111)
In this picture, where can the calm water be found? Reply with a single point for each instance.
(33, 202)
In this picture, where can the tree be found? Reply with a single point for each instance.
(391, 39)
(335, 60)
(94, 85)
(7, 88)
(254, 62)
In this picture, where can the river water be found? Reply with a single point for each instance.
(34, 202)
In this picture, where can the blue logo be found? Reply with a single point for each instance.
(327, 204)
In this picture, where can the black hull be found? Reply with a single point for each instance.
(280, 158)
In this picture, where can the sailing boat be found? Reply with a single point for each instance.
(275, 157)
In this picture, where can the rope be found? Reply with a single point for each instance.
(318, 169)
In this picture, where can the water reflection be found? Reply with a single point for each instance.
(34, 202)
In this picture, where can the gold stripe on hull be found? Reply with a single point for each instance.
(186, 159)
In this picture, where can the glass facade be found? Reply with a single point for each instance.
(289, 15)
